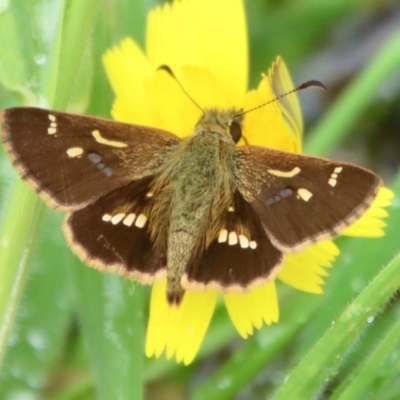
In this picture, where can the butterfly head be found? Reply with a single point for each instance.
(229, 122)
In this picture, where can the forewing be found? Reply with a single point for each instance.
(72, 160)
(301, 199)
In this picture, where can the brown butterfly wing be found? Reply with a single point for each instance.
(240, 258)
(72, 160)
(301, 199)
(112, 233)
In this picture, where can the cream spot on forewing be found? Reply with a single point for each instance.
(75, 152)
(106, 217)
(223, 235)
(304, 194)
(332, 182)
(284, 174)
(149, 194)
(253, 244)
(232, 238)
(244, 242)
(129, 219)
(52, 129)
(100, 139)
(333, 179)
(231, 209)
(141, 221)
(117, 218)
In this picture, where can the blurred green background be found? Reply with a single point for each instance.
(69, 332)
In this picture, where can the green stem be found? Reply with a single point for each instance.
(18, 233)
(24, 210)
(359, 385)
(111, 311)
(312, 373)
(76, 19)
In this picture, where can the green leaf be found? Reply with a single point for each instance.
(18, 232)
(19, 227)
(323, 361)
(342, 117)
(13, 74)
(378, 369)
(36, 345)
(111, 313)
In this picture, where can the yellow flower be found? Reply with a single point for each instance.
(204, 42)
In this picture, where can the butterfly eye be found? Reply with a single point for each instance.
(236, 131)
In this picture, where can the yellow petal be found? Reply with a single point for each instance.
(303, 270)
(127, 68)
(253, 309)
(178, 330)
(206, 89)
(370, 224)
(156, 99)
(267, 126)
(281, 83)
(176, 112)
(202, 33)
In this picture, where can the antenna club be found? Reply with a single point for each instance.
(169, 71)
(311, 83)
(305, 85)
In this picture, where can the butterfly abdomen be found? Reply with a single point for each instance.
(200, 192)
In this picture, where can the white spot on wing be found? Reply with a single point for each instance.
(334, 176)
(52, 129)
(117, 218)
(129, 219)
(75, 151)
(244, 242)
(253, 244)
(284, 174)
(223, 235)
(141, 221)
(332, 182)
(100, 139)
(106, 217)
(304, 194)
(232, 238)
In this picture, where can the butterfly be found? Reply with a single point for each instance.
(200, 211)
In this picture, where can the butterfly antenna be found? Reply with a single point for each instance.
(305, 85)
(168, 70)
